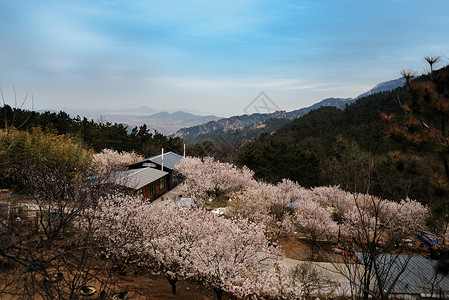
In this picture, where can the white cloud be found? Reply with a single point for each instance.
(238, 83)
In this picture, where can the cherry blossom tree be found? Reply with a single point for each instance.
(375, 227)
(334, 197)
(286, 196)
(269, 204)
(171, 239)
(205, 178)
(157, 238)
(115, 225)
(274, 283)
(180, 244)
(232, 249)
(404, 219)
(315, 220)
(252, 203)
(109, 160)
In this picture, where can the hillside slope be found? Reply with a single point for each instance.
(248, 127)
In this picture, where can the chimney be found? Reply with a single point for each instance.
(162, 159)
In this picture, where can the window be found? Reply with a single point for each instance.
(162, 184)
(152, 189)
(140, 193)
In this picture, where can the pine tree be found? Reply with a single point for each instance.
(424, 132)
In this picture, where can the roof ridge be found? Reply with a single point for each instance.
(132, 172)
(159, 155)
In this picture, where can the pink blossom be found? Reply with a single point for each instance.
(110, 160)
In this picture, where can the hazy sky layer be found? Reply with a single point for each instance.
(211, 56)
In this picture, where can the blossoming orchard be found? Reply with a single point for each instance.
(75, 224)
(238, 253)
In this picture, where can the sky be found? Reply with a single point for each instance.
(210, 56)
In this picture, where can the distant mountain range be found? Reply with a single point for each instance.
(192, 126)
(214, 128)
(250, 126)
(164, 122)
(168, 123)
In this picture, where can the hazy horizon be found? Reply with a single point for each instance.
(212, 57)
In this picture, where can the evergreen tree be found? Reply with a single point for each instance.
(424, 132)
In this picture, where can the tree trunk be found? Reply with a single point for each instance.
(172, 282)
(219, 293)
(313, 246)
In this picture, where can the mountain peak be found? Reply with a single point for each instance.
(384, 87)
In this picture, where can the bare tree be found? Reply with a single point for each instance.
(10, 119)
(42, 248)
(375, 228)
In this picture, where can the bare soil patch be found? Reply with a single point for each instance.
(153, 287)
(300, 248)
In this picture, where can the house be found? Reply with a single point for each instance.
(149, 183)
(166, 162)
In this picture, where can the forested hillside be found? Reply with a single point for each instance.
(240, 129)
(352, 148)
(95, 135)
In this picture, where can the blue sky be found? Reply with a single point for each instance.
(211, 56)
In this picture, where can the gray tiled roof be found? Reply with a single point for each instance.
(138, 178)
(417, 278)
(170, 159)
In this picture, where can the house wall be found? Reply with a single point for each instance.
(171, 180)
(157, 189)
